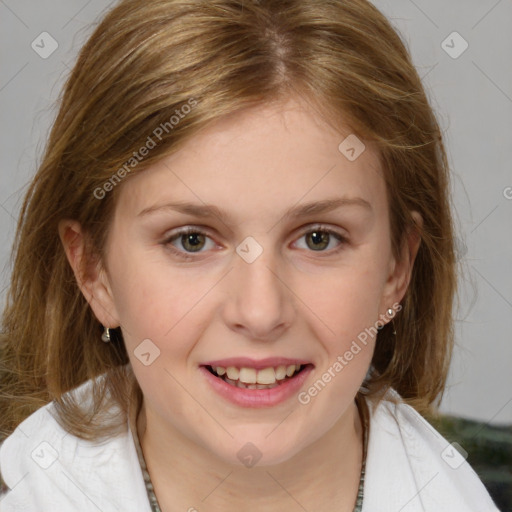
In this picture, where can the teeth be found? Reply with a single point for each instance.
(266, 376)
(280, 372)
(232, 372)
(248, 376)
(252, 378)
(290, 370)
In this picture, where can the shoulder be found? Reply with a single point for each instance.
(415, 466)
(46, 468)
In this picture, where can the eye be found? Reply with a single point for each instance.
(192, 240)
(319, 238)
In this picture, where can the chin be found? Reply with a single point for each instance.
(257, 450)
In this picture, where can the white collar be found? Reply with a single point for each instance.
(406, 470)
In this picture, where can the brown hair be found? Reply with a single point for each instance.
(145, 61)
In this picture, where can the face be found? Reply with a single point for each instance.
(259, 281)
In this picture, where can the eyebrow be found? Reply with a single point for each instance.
(302, 210)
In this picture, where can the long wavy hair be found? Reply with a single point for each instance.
(142, 64)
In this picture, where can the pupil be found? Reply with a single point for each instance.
(192, 239)
(317, 237)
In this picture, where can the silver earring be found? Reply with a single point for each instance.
(390, 313)
(106, 335)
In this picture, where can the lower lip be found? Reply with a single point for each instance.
(257, 397)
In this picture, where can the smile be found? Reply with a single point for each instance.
(247, 386)
(250, 378)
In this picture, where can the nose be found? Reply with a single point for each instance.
(260, 304)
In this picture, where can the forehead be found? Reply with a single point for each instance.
(262, 160)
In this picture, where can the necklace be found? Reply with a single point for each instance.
(362, 408)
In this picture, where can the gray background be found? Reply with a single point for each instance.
(472, 95)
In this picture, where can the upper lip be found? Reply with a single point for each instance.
(258, 364)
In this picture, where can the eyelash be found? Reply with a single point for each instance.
(189, 230)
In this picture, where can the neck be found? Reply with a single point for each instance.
(186, 476)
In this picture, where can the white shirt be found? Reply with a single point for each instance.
(410, 467)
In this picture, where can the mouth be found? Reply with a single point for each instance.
(252, 378)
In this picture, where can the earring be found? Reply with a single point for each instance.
(106, 335)
(390, 313)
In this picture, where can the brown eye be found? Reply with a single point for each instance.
(193, 242)
(188, 241)
(319, 240)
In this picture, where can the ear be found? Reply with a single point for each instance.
(400, 272)
(91, 277)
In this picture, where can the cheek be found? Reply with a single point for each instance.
(157, 301)
(142, 294)
(345, 314)
(346, 299)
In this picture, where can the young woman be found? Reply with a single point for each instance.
(234, 273)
